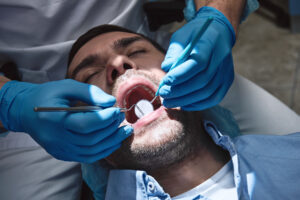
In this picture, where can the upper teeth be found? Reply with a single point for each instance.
(129, 91)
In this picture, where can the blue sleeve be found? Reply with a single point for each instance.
(96, 175)
(250, 7)
(190, 9)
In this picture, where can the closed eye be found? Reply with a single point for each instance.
(87, 79)
(136, 52)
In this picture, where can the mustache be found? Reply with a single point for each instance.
(130, 73)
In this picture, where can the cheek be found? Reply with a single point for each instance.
(152, 67)
(100, 81)
(158, 72)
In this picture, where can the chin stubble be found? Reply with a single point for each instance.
(184, 141)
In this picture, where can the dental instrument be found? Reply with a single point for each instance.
(188, 49)
(142, 108)
(144, 104)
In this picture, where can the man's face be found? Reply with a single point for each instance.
(129, 67)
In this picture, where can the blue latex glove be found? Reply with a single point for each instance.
(96, 176)
(205, 77)
(83, 137)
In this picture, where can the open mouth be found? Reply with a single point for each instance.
(132, 92)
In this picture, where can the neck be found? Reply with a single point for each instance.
(193, 170)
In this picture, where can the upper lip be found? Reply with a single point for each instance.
(132, 83)
(133, 90)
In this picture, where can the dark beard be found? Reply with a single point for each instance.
(186, 137)
(186, 141)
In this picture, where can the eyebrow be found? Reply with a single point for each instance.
(125, 42)
(93, 58)
(86, 62)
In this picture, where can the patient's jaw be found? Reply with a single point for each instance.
(113, 61)
(166, 139)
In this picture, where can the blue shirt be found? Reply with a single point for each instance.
(265, 167)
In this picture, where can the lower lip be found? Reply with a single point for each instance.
(148, 118)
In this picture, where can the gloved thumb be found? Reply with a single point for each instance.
(99, 97)
(174, 51)
(89, 94)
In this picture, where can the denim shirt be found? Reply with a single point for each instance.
(264, 167)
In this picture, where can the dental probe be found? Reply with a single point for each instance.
(188, 49)
(85, 108)
(74, 109)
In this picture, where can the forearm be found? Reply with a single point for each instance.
(232, 9)
(3, 80)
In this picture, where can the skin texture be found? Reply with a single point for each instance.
(113, 60)
(232, 9)
(3, 80)
(173, 148)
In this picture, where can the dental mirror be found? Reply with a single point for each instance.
(142, 108)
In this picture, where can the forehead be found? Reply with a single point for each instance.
(98, 44)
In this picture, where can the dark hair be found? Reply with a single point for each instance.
(107, 28)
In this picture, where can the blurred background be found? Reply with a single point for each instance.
(267, 50)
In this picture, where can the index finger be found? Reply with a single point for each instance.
(86, 122)
(196, 63)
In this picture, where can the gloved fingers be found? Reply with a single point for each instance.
(183, 72)
(193, 84)
(67, 156)
(69, 152)
(91, 121)
(213, 99)
(97, 157)
(90, 94)
(179, 40)
(199, 60)
(198, 95)
(47, 117)
(58, 152)
(113, 139)
(191, 98)
(173, 52)
(95, 137)
(177, 44)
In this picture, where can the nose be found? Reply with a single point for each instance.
(118, 66)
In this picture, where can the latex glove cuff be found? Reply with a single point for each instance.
(190, 9)
(8, 93)
(206, 12)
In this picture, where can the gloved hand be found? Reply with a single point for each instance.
(204, 78)
(83, 137)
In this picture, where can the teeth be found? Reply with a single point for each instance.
(129, 91)
(148, 90)
(161, 99)
(144, 87)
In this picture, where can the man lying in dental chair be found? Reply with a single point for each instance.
(173, 153)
